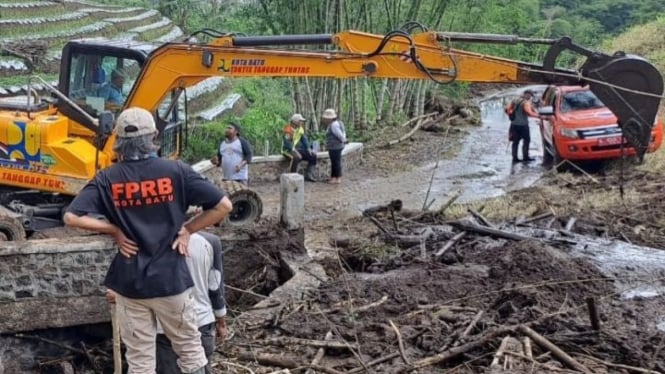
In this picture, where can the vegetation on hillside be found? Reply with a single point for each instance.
(366, 103)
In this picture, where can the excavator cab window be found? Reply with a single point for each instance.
(171, 121)
(100, 82)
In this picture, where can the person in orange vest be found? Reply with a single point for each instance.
(296, 147)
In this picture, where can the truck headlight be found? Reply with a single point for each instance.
(568, 133)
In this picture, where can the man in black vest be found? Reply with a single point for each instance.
(519, 126)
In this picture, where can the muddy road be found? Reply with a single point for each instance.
(473, 162)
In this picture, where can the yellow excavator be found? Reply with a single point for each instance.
(50, 147)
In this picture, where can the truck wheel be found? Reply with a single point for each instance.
(247, 205)
(547, 155)
(556, 159)
(11, 229)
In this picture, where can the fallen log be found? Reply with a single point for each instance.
(556, 351)
(421, 117)
(535, 218)
(570, 224)
(405, 136)
(456, 351)
(621, 366)
(450, 243)
(284, 340)
(319, 354)
(489, 231)
(481, 218)
(593, 313)
(392, 206)
(400, 343)
(352, 310)
(267, 359)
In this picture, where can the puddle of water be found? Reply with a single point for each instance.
(640, 271)
(483, 168)
(661, 325)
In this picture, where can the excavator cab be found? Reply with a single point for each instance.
(97, 75)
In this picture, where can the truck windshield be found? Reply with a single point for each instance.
(580, 100)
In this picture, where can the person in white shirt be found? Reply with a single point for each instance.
(234, 154)
(205, 263)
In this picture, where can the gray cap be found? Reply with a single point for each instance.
(134, 122)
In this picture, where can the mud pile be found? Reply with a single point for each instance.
(467, 296)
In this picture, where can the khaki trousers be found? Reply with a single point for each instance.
(138, 328)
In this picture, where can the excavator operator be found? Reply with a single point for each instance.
(112, 91)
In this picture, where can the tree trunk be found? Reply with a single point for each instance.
(394, 99)
(363, 105)
(416, 98)
(294, 93)
(423, 97)
(310, 107)
(379, 104)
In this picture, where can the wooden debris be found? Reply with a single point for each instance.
(470, 327)
(265, 359)
(620, 366)
(400, 343)
(285, 341)
(393, 206)
(319, 354)
(556, 351)
(593, 313)
(570, 224)
(455, 351)
(481, 218)
(489, 231)
(535, 218)
(450, 243)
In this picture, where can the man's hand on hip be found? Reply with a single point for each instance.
(181, 243)
(221, 330)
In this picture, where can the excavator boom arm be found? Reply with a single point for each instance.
(630, 86)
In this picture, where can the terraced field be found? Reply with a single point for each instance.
(49, 24)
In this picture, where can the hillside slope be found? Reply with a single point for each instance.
(32, 34)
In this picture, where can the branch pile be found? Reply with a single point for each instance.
(470, 296)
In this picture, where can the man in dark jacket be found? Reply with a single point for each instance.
(144, 200)
(519, 126)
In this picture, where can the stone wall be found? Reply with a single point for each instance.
(53, 283)
(71, 272)
(269, 168)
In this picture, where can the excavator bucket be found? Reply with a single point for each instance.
(632, 89)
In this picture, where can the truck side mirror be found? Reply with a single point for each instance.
(106, 122)
(546, 111)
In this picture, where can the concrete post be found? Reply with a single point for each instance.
(292, 208)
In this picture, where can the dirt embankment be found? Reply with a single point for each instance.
(453, 301)
(395, 301)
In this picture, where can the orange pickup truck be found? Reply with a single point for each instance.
(576, 126)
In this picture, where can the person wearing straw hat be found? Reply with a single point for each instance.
(335, 140)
